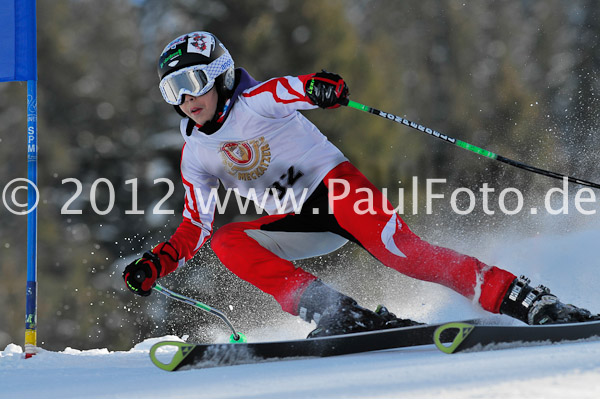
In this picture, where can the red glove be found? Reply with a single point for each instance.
(326, 90)
(141, 275)
(168, 256)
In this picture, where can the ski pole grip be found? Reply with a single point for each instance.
(343, 101)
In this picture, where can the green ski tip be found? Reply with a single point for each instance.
(182, 350)
(240, 339)
(461, 331)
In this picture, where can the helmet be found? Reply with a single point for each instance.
(193, 64)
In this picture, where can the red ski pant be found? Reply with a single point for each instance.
(261, 251)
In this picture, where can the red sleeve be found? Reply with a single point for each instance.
(198, 210)
(188, 239)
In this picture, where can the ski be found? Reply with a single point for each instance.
(468, 336)
(216, 355)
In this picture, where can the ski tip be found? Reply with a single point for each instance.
(443, 334)
(177, 354)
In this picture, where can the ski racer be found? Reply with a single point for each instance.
(249, 136)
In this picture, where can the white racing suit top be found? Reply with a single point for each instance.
(265, 150)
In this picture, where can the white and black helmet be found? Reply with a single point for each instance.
(193, 64)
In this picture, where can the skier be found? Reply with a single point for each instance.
(250, 136)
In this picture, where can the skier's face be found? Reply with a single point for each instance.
(200, 109)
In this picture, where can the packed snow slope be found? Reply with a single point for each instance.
(568, 264)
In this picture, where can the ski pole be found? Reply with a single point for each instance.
(235, 337)
(464, 145)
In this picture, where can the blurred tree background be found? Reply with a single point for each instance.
(516, 77)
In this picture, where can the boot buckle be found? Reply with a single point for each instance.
(518, 287)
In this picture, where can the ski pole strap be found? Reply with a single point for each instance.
(465, 145)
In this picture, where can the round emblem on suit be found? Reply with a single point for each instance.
(239, 153)
(247, 160)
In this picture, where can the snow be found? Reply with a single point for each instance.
(566, 263)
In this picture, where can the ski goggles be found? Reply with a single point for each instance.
(195, 80)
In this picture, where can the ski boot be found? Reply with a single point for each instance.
(391, 321)
(336, 313)
(537, 306)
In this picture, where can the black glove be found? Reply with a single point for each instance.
(326, 90)
(141, 275)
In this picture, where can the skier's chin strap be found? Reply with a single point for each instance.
(189, 127)
(208, 128)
